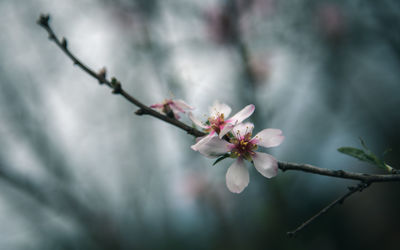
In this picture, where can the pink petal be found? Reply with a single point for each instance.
(269, 137)
(212, 146)
(182, 104)
(196, 121)
(242, 128)
(265, 164)
(176, 109)
(157, 105)
(237, 176)
(243, 114)
(220, 108)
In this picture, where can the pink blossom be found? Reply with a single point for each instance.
(243, 147)
(172, 108)
(217, 122)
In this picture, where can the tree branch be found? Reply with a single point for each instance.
(117, 88)
(366, 179)
(145, 110)
(360, 187)
(284, 166)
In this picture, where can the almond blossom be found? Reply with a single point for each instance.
(218, 123)
(243, 146)
(172, 108)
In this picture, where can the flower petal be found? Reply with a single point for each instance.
(212, 146)
(265, 164)
(237, 176)
(220, 108)
(242, 129)
(200, 141)
(269, 137)
(176, 108)
(243, 114)
(157, 105)
(196, 121)
(182, 104)
(227, 127)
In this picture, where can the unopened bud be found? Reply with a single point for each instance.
(102, 75)
(43, 20)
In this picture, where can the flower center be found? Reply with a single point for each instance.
(216, 123)
(243, 146)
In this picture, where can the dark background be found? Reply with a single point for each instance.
(78, 170)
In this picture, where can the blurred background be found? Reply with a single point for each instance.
(78, 170)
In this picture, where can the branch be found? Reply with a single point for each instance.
(284, 166)
(360, 187)
(145, 110)
(366, 179)
(114, 84)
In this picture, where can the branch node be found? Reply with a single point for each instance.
(140, 112)
(64, 43)
(102, 75)
(339, 172)
(44, 20)
(116, 85)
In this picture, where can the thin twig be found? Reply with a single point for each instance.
(284, 166)
(117, 89)
(145, 110)
(360, 187)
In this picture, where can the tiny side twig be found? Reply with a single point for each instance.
(353, 189)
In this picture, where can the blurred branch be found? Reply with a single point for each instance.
(353, 189)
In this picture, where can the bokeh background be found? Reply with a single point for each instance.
(78, 170)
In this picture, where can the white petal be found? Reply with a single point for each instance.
(269, 137)
(228, 127)
(213, 146)
(200, 141)
(265, 164)
(182, 104)
(220, 108)
(196, 121)
(243, 114)
(242, 128)
(237, 176)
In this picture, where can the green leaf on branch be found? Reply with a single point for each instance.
(364, 155)
(221, 158)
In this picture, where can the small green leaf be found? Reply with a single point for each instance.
(221, 158)
(362, 156)
(366, 155)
